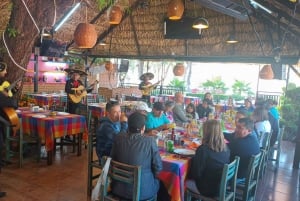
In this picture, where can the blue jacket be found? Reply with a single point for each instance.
(105, 135)
(138, 149)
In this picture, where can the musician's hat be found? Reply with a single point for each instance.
(2, 66)
(76, 69)
(149, 75)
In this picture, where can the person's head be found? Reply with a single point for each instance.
(240, 114)
(247, 103)
(213, 136)
(205, 103)
(169, 105)
(136, 123)
(190, 108)
(179, 97)
(208, 96)
(113, 111)
(158, 109)
(260, 114)
(142, 107)
(3, 69)
(244, 127)
(76, 76)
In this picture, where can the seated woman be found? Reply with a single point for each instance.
(135, 148)
(190, 111)
(169, 105)
(248, 106)
(261, 123)
(207, 165)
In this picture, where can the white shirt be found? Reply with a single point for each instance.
(262, 127)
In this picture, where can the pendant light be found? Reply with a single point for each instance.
(175, 9)
(115, 15)
(200, 23)
(232, 39)
(266, 72)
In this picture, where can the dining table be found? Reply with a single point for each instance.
(49, 126)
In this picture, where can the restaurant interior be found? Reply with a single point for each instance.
(50, 152)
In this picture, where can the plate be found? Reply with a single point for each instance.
(62, 113)
(186, 152)
(39, 116)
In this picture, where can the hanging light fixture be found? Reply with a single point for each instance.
(266, 72)
(200, 23)
(115, 15)
(175, 9)
(179, 69)
(85, 35)
(232, 39)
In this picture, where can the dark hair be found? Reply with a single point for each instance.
(260, 113)
(247, 122)
(111, 104)
(136, 121)
(3, 66)
(191, 105)
(169, 104)
(243, 112)
(158, 106)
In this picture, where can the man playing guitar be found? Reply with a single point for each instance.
(75, 89)
(5, 101)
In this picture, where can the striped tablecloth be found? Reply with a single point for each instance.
(51, 127)
(173, 175)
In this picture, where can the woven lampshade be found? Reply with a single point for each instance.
(115, 15)
(178, 69)
(85, 35)
(266, 72)
(109, 66)
(175, 9)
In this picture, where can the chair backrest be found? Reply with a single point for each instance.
(129, 174)
(228, 181)
(253, 175)
(266, 141)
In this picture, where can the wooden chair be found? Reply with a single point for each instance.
(266, 147)
(129, 174)
(247, 190)
(276, 148)
(19, 139)
(227, 186)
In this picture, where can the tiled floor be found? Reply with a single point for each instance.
(66, 179)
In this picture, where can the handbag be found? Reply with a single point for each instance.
(97, 193)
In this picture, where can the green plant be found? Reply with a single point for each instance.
(12, 32)
(216, 85)
(241, 88)
(177, 83)
(290, 113)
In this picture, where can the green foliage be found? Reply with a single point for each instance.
(290, 113)
(241, 88)
(216, 84)
(104, 3)
(12, 32)
(177, 83)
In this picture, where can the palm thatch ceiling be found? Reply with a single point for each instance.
(262, 36)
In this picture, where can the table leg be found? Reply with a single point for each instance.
(49, 157)
(79, 144)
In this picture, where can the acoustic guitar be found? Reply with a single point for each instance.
(6, 86)
(80, 92)
(12, 117)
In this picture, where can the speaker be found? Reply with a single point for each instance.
(279, 71)
(123, 68)
(180, 29)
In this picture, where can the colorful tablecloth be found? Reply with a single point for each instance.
(164, 98)
(173, 175)
(51, 127)
(47, 99)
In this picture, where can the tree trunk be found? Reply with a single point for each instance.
(21, 46)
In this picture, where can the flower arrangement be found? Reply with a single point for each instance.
(25, 100)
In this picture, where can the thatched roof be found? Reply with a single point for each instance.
(141, 32)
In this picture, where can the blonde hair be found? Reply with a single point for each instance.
(213, 135)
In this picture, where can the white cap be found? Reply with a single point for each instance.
(140, 105)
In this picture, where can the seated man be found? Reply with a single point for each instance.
(203, 109)
(243, 143)
(142, 107)
(135, 148)
(178, 110)
(110, 126)
(157, 120)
